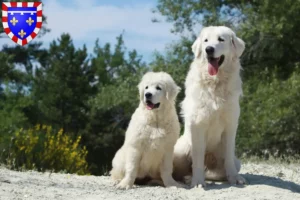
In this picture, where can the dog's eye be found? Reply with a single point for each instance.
(146, 87)
(221, 39)
(206, 40)
(158, 88)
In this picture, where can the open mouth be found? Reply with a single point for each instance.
(214, 64)
(151, 106)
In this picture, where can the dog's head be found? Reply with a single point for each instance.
(157, 88)
(217, 45)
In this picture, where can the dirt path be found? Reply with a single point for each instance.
(276, 181)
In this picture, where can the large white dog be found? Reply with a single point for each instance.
(151, 135)
(211, 109)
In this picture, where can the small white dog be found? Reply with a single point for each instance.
(151, 135)
(211, 109)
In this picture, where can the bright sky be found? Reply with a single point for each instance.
(87, 20)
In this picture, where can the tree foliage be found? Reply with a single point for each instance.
(270, 120)
(268, 27)
(63, 85)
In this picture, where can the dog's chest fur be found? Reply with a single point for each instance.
(155, 130)
(153, 137)
(207, 95)
(153, 140)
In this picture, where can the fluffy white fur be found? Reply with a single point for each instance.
(151, 135)
(211, 111)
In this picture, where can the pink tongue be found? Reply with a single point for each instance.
(213, 67)
(150, 106)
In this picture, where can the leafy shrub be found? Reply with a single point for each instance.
(42, 149)
(270, 117)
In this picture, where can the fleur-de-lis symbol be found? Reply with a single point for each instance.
(29, 21)
(22, 33)
(14, 21)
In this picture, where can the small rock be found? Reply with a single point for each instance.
(280, 174)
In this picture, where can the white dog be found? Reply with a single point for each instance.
(151, 135)
(211, 109)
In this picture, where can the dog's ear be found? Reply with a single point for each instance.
(238, 45)
(196, 47)
(172, 91)
(141, 91)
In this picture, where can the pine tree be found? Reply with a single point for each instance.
(63, 85)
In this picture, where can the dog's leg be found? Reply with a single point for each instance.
(229, 138)
(166, 169)
(131, 168)
(238, 164)
(182, 161)
(198, 142)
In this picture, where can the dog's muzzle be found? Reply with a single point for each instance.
(214, 64)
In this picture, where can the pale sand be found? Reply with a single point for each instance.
(265, 181)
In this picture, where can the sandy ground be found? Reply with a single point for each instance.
(265, 181)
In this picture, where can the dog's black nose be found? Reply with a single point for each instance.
(148, 95)
(209, 50)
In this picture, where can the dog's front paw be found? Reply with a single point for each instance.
(236, 179)
(198, 182)
(116, 182)
(198, 179)
(124, 184)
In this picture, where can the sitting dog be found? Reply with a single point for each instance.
(151, 135)
(211, 109)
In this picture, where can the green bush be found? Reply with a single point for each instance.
(43, 149)
(270, 117)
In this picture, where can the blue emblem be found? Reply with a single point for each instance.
(22, 20)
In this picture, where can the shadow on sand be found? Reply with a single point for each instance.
(253, 179)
